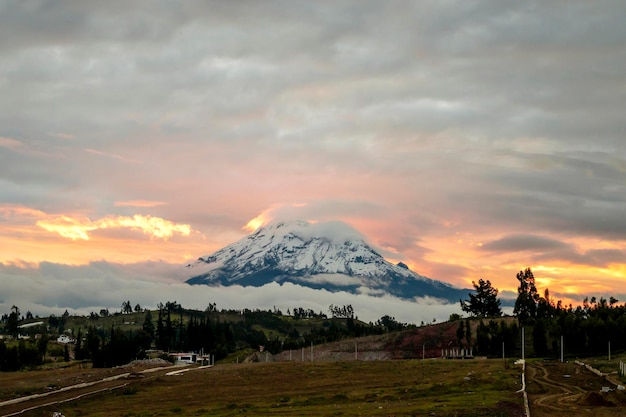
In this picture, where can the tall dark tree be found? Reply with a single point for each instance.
(527, 297)
(161, 337)
(126, 307)
(485, 302)
(483, 338)
(13, 321)
(148, 325)
(80, 353)
(460, 333)
(545, 306)
(93, 347)
(42, 345)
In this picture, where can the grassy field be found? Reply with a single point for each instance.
(356, 388)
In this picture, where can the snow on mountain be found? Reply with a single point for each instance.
(332, 256)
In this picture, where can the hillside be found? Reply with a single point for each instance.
(428, 341)
(283, 337)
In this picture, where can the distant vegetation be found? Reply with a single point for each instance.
(587, 330)
(109, 339)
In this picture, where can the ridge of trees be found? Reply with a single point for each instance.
(174, 328)
(586, 329)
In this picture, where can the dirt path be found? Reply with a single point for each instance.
(566, 390)
(16, 406)
(59, 397)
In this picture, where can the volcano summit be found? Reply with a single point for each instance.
(331, 256)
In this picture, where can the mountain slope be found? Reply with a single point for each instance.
(332, 256)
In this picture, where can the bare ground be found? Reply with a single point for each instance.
(566, 389)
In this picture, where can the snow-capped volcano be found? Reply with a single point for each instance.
(332, 256)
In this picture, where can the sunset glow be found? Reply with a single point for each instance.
(255, 223)
(447, 135)
(75, 229)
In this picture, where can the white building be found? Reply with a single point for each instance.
(184, 358)
(65, 339)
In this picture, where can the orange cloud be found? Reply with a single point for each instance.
(276, 211)
(19, 211)
(259, 221)
(26, 237)
(75, 228)
(255, 223)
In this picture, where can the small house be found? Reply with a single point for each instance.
(65, 339)
(184, 358)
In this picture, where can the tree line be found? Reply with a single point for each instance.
(586, 330)
(172, 328)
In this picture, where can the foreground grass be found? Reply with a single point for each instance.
(400, 388)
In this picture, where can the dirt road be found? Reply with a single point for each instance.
(566, 389)
(74, 392)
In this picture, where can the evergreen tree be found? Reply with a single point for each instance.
(93, 348)
(79, 352)
(527, 297)
(485, 302)
(169, 330)
(42, 345)
(460, 333)
(160, 330)
(148, 326)
(126, 307)
(483, 339)
(13, 321)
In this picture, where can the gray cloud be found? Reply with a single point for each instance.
(552, 250)
(494, 117)
(517, 243)
(52, 288)
(602, 258)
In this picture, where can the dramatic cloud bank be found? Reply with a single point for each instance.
(466, 139)
(53, 288)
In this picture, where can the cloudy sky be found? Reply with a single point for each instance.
(467, 139)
